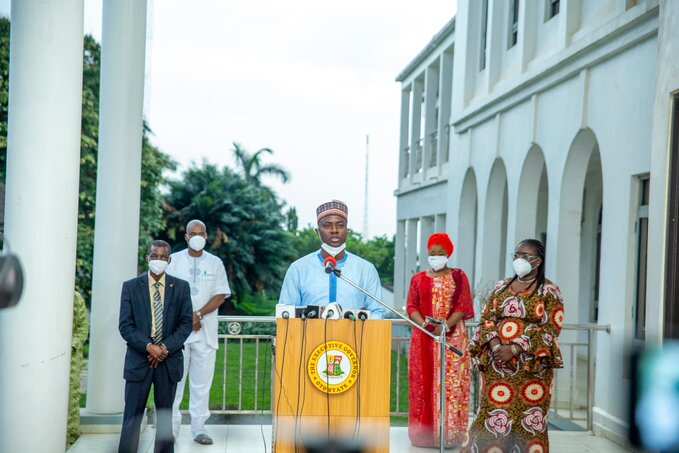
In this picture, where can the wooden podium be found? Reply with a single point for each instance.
(357, 366)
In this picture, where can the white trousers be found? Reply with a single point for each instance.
(199, 367)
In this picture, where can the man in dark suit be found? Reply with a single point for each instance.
(156, 317)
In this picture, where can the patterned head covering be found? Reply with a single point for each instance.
(443, 240)
(334, 207)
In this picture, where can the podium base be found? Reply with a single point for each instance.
(372, 435)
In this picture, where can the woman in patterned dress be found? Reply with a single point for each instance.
(516, 350)
(441, 293)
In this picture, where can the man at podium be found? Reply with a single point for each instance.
(307, 283)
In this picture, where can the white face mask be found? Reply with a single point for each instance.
(333, 251)
(158, 266)
(197, 243)
(438, 262)
(522, 267)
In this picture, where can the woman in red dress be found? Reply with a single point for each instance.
(444, 294)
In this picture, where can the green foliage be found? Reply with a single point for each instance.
(258, 304)
(245, 226)
(292, 220)
(252, 167)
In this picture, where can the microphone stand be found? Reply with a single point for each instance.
(439, 339)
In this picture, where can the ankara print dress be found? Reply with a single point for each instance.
(439, 297)
(515, 396)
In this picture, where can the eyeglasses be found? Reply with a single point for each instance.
(525, 256)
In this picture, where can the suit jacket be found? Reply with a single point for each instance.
(135, 325)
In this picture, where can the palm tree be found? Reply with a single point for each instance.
(253, 168)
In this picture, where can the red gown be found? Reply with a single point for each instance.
(439, 297)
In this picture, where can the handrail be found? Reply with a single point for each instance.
(272, 319)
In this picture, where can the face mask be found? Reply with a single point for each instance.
(522, 267)
(158, 266)
(438, 262)
(197, 243)
(333, 251)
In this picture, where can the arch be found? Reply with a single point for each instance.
(578, 243)
(466, 235)
(532, 205)
(494, 247)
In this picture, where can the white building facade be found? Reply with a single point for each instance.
(549, 119)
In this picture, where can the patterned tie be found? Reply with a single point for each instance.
(157, 314)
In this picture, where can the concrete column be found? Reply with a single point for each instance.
(440, 223)
(400, 264)
(527, 32)
(569, 20)
(431, 83)
(404, 164)
(426, 230)
(446, 98)
(415, 120)
(411, 249)
(119, 171)
(497, 38)
(41, 220)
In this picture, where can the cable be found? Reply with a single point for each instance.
(327, 376)
(299, 380)
(358, 383)
(280, 376)
(360, 371)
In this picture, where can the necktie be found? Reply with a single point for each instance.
(157, 314)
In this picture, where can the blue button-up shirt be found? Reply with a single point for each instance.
(307, 283)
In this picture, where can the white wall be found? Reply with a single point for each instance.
(592, 100)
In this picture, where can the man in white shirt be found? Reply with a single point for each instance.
(209, 287)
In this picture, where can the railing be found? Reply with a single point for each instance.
(244, 370)
(446, 144)
(405, 163)
(433, 150)
(419, 154)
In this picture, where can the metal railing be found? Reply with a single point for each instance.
(405, 163)
(434, 149)
(245, 369)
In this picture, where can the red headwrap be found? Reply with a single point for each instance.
(443, 240)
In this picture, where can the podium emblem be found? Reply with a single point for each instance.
(333, 367)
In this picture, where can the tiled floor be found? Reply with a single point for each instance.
(248, 438)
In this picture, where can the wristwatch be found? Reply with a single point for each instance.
(199, 314)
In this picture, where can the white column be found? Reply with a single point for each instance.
(528, 12)
(119, 171)
(440, 223)
(569, 20)
(415, 121)
(446, 97)
(411, 249)
(426, 230)
(431, 84)
(497, 39)
(41, 220)
(400, 264)
(404, 161)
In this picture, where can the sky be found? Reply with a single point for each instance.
(306, 78)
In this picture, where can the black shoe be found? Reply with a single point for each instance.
(203, 439)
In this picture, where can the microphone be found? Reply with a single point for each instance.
(330, 264)
(332, 311)
(350, 314)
